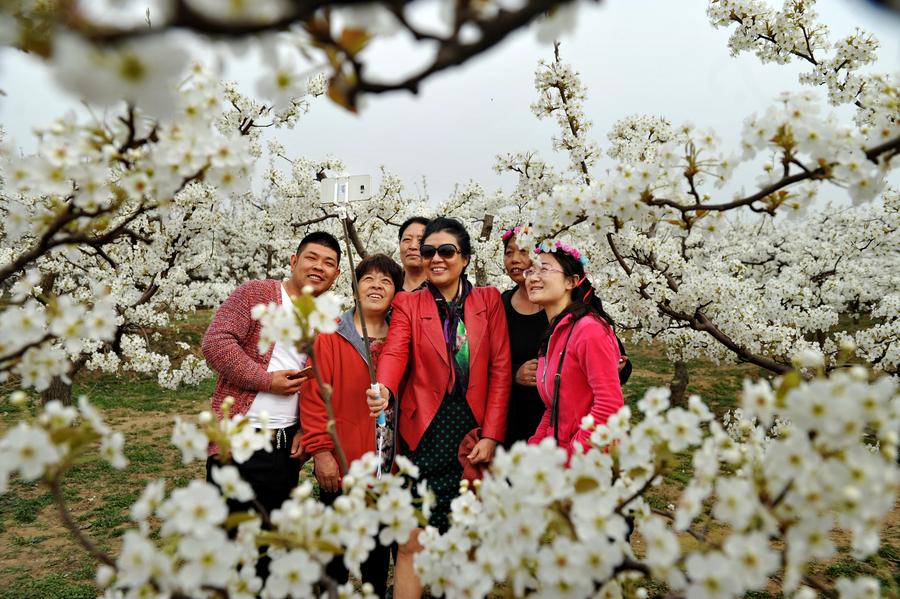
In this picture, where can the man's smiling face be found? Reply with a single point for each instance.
(316, 266)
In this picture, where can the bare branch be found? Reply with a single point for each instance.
(83, 540)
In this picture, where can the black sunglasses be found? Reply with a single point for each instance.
(445, 251)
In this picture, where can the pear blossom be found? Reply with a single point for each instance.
(28, 450)
(229, 481)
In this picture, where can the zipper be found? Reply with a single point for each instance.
(547, 362)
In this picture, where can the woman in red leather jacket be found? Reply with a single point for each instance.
(448, 347)
(579, 357)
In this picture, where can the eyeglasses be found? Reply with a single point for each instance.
(445, 251)
(542, 272)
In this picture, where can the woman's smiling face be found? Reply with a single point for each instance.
(516, 260)
(376, 292)
(546, 283)
(443, 272)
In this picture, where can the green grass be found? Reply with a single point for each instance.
(848, 568)
(139, 394)
(52, 586)
(23, 541)
(20, 508)
(111, 513)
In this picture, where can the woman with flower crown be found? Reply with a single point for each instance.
(526, 323)
(579, 356)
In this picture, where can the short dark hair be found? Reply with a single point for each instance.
(321, 238)
(455, 228)
(413, 220)
(381, 263)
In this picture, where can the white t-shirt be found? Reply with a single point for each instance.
(282, 409)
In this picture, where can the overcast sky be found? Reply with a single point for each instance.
(635, 56)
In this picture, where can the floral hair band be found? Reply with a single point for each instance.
(514, 231)
(558, 246)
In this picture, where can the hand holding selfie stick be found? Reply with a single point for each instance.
(381, 421)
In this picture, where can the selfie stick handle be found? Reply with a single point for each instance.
(382, 419)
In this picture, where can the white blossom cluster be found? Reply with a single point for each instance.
(307, 316)
(44, 446)
(824, 282)
(794, 33)
(108, 51)
(537, 527)
(671, 261)
(637, 138)
(115, 229)
(561, 94)
(193, 555)
(28, 324)
(799, 459)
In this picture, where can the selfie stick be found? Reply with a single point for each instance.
(345, 218)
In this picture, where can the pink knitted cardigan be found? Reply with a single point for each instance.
(230, 347)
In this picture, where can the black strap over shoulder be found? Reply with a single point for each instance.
(554, 407)
(625, 372)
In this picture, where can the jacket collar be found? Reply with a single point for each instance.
(347, 330)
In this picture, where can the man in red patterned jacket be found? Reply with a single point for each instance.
(267, 383)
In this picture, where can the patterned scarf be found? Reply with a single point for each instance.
(454, 329)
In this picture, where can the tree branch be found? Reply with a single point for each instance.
(84, 540)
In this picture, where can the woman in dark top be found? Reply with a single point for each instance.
(526, 323)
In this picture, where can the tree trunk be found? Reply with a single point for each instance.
(58, 390)
(480, 274)
(679, 383)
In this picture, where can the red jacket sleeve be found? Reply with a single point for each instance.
(313, 415)
(222, 343)
(598, 354)
(499, 370)
(395, 355)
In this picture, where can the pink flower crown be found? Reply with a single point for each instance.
(514, 231)
(558, 246)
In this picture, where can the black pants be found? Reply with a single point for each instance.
(272, 475)
(374, 570)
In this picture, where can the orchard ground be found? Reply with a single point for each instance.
(39, 559)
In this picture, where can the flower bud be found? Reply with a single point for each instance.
(805, 593)
(302, 491)
(848, 345)
(859, 373)
(808, 358)
(205, 417)
(852, 496)
(18, 398)
(105, 576)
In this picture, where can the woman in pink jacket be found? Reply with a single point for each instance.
(579, 355)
